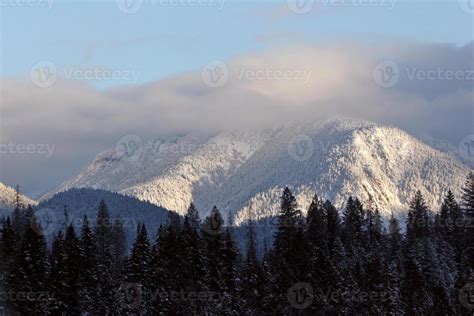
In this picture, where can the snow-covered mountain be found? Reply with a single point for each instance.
(8, 196)
(244, 172)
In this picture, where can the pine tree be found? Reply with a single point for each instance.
(119, 245)
(354, 223)
(87, 269)
(468, 209)
(213, 237)
(166, 264)
(290, 260)
(159, 275)
(450, 224)
(418, 223)
(104, 302)
(8, 250)
(231, 292)
(18, 216)
(58, 277)
(194, 261)
(32, 268)
(72, 252)
(252, 289)
(135, 291)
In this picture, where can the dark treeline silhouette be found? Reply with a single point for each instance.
(321, 263)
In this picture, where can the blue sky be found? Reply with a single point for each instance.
(162, 39)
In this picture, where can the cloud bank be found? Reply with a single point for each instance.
(426, 89)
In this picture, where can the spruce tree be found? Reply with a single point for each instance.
(230, 264)
(72, 252)
(57, 282)
(119, 245)
(290, 260)
(8, 251)
(87, 268)
(252, 289)
(135, 291)
(468, 209)
(104, 302)
(32, 268)
(194, 261)
(160, 275)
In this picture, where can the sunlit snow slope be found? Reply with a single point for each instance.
(244, 172)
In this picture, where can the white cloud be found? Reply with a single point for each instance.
(298, 82)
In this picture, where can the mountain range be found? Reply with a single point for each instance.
(244, 172)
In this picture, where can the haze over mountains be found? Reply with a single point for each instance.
(244, 172)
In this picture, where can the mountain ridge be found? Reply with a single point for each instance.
(244, 172)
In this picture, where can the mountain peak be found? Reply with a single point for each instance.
(243, 172)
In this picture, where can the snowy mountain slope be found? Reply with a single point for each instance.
(244, 172)
(114, 171)
(7, 198)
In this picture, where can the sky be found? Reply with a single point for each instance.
(76, 76)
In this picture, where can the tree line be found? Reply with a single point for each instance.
(321, 263)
